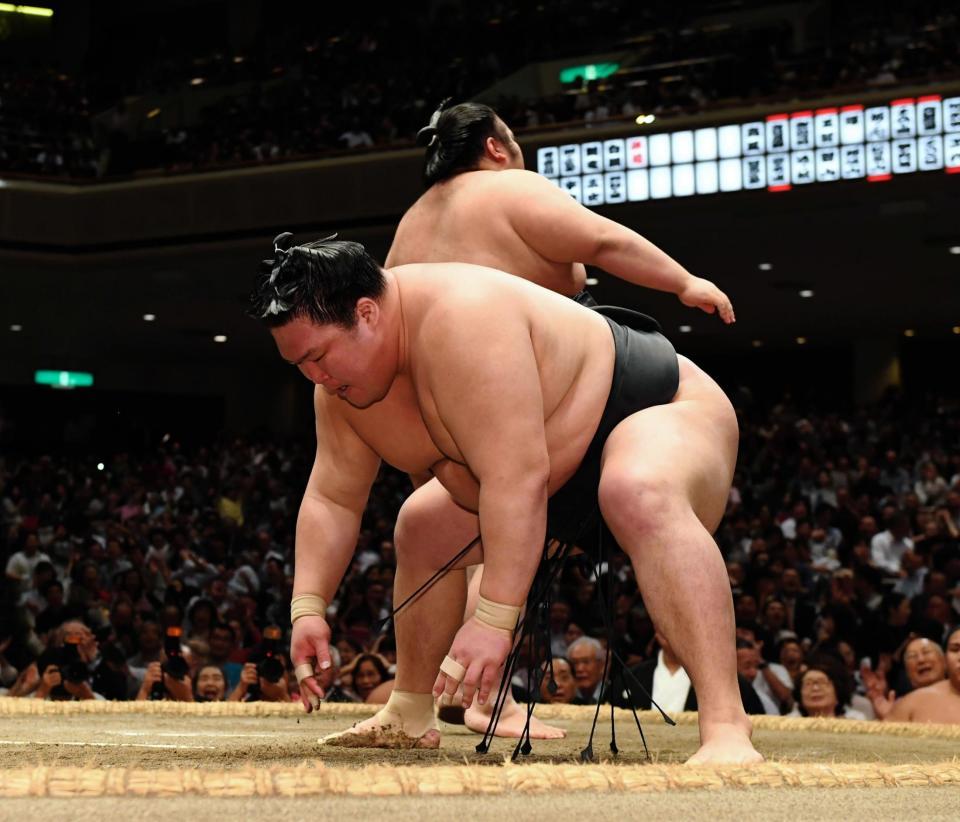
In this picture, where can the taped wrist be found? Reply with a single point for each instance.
(307, 605)
(409, 712)
(495, 615)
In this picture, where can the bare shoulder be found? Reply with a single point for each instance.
(520, 181)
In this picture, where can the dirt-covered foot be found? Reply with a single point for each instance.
(511, 724)
(406, 721)
(372, 733)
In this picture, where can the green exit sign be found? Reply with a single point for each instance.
(64, 379)
(591, 71)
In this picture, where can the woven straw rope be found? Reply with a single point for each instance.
(33, 707)
(453, 780)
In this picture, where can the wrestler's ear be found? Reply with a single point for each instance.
(496, 150)
(368, 312)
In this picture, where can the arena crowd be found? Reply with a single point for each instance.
(305, 88)
(168, 575)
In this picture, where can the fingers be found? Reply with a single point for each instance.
(310, 691)
(451, 675)
(470, 683)
(487, 683)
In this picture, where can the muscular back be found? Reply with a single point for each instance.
(470, 218)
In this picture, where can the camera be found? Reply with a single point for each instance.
(72, 668)
(271, 667)
(175, 665)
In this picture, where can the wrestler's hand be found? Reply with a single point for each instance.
(703, 294)
(310, 643)
(482, 650)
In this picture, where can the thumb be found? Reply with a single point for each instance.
(322, 650)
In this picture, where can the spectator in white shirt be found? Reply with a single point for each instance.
(20, 566)
(888, 547)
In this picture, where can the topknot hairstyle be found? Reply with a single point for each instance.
(321, 280)
(455, 139)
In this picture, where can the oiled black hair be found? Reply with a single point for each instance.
(321, 280)
(455, 139)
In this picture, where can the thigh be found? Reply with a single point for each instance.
(687, 448)
(431, 528)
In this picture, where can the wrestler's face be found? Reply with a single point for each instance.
(924, 663)
(354, 364)
(953, 659)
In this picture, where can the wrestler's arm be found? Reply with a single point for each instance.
(328, 524)
(560, 229)
(344, 469)
(488, 398)
(902, 710)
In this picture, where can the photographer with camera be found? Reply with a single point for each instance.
(64, 674)
(266, 679)
(169, 679)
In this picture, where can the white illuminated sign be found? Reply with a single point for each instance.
(778, 153)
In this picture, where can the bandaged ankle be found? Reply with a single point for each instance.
(307, 605)
(503, 617)
(409, 712)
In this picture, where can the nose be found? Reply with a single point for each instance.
(315, 374)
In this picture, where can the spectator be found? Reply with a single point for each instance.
(664, 681)
(823, 690)
(562, 676)
(369, 672)
(939, 702)
(176, 689)
(587, 658)
(773, 681)
(209, 684)
(925, 665)
(748, 668)
(888, 547)
(223, 642)
(21, 565)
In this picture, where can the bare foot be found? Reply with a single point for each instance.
(511, 724)
(726, 743)
(381, 731)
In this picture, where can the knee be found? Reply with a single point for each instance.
(638, 503)
(411, 531)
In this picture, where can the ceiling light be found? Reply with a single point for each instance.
(806, 293)
(152, 113)
(149, 318)
(955, 249)
(956, 329)
(909, 333)
(801, 340)
(197, 81)
(100, 466)
(16, 327)
(757, 343)
(220, 338)
(592, 281)
(685, 329)
(765, 266)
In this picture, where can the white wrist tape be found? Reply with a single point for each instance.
(495, 615)
(307, 605)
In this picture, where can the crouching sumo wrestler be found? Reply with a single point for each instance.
(531, 413)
